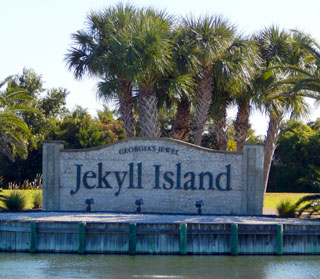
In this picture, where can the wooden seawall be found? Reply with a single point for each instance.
(159, 238)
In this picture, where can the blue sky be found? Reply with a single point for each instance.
(37, 33)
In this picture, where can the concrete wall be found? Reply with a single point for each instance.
(170, 176)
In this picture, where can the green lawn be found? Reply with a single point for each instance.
(272, 199)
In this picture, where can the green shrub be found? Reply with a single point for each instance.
(286, 209)
(14, 201)
(37, 199)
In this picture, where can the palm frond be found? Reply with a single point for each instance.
(14, 132)
(308, 199)
(210, 35)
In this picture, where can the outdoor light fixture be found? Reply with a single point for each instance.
(198, 205)
(138, 204)
(88, 203)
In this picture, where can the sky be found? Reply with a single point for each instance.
(37, 34)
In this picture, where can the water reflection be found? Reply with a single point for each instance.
(38, 266)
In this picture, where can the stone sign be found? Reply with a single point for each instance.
(153, 175)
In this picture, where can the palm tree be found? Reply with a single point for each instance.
(14, 132)
(276, 49)
(231, 77)
(182, 83)
(246, 96)
(302, 79)
(153, 46)
(182, 119)
(277, 107)
(306, 77)
(175, 96)
(221, 99)
(210, 37)
(105, 50)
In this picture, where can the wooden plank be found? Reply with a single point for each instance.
(266, 232)
(158, 242)
(157, 232)
(56, 240)
(106, 231)
(14, 229)
(301, 233)
(33, 237)
(209, 232)
(207, 244)
(104, 242)
(58, 230)
(124, 231)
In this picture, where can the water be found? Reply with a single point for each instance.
(36, 266)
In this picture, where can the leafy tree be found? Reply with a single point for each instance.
(298, 149)
(53, 104)
(209, 140)
(48, 105)
(315, 125)
(111, 128)
(28, 80)
(79, 130)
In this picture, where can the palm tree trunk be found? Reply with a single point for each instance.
(221, 127)
(204, 97)
(148, 114)
(270, 145)
(126, 108)
(181, 122)
(242, 125)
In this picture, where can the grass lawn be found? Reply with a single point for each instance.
(272, 199)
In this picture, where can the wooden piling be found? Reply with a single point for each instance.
(132, 239)
(279, 240)
(82, 238)
(234, 239)
(183, 239)
(33, 237)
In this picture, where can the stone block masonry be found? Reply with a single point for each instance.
(170, 176)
